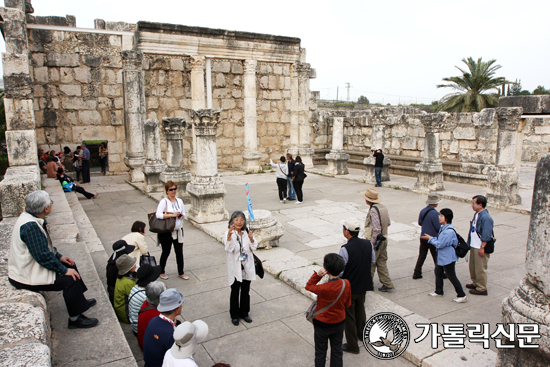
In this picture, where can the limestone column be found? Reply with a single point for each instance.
(154, 165)
(337, 159)
(251, 156)
(503, 178)
(23, 175)
(206, 189)
(174, 130)
(430, 170)
(197, 98)
(294, 112)
(134, 112)
(528, 303)
(378, 142)
(305, 72)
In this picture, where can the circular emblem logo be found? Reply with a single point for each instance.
(386, 335)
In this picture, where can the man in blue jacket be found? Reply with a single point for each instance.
(481, 232)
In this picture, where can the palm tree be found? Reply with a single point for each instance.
(470, 87)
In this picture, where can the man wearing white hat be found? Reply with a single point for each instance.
(186, 338)
(376, 224)
(159, 335)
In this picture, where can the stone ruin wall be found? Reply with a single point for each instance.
(472, 139)
(78, 94)
(168, 94)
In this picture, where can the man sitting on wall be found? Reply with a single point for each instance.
(34, 263)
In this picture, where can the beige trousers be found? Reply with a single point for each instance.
(382, 265)
(478, 269)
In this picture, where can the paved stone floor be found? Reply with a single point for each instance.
(280, 334)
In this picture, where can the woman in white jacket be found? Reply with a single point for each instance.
(281, 171)
(239, 244)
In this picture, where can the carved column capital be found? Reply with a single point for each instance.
(250, 66)
(197, 63)
(174, 127)
(132, 60)
(509, 118)
(435, 122)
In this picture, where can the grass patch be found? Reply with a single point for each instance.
(397, 188)
(278, 275)
(315, 263)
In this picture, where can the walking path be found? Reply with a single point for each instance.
(279, 333)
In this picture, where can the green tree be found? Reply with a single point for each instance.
(541, 90)
(516, 90)
(362, 100)
(472, 87)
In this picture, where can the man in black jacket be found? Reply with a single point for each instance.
(359, 256)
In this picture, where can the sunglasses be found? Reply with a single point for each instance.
(172, 189)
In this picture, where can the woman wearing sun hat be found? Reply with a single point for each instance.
(186, 338)
(126, 280)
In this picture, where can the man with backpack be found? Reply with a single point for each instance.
(481, 241)
(429, 220)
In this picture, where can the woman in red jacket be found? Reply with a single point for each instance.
(329, 324)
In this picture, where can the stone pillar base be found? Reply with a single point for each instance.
(429, 177)
(180, 178)
(152, 171)
(251, 162)
(267, 230)
(293, 151)
(337, 163)
(17, 183)
(207, 200)
(370, 177)
(503, 186)
(526, 304)
(307, 156)
(136, 168)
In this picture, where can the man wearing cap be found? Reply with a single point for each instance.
(34, 264)
(429, 220)
(377, 223)
(145, 275)
(159, 336)
(359, 256)
(186, 338)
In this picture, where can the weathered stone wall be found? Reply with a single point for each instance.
(472, 139)
(168, 94)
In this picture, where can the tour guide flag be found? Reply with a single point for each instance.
(250, 212)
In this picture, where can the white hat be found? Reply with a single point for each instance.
(352, 224)
(186, 337)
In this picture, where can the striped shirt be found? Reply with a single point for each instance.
(37, 244)
(136, 299)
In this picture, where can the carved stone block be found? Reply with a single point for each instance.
(267, 230)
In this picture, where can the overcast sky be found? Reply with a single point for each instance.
(390, 51)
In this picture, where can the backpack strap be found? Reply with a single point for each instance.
(427, 211)
(150, 307)
(332, 304)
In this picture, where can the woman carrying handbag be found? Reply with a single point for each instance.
(171, 207)
(329, 324)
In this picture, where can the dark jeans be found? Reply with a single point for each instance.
(239, 308)
(355, 320)
(85, 171)
(281, 184)
(324, 333)
(103, 163)
(73, 291)
(378, 175)
(451, 274)
(291, 192)
(422, 253)
(78, 170)
(166, 243)
(80, 190)
(298, 188)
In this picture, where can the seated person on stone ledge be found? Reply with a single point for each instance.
(34, 264)
(69, 185)
(126, 281)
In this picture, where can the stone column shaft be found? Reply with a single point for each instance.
(154, 165)
(134, 112)
(197, 97)
(251, 156)
(337, 159)
(206, 189)
(430, 170)
(503, 179)
(294, 112)
(528, 303)
(174, 130)
(305, 72)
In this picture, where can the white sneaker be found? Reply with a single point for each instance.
(461, 299)
(284, 201)
(281, 201)
(433, 294)
(299, 202)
